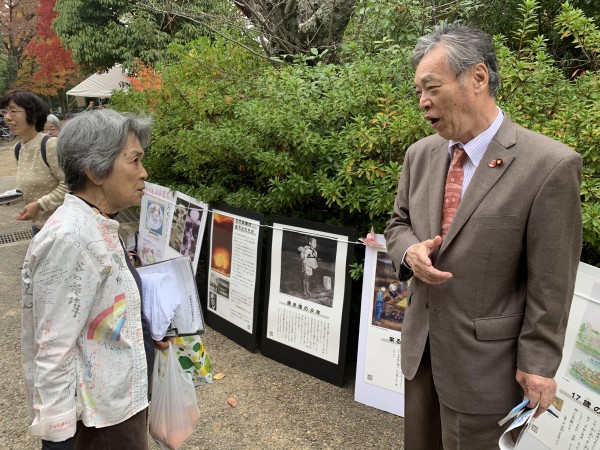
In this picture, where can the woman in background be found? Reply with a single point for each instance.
(38, 174)
(52, 126)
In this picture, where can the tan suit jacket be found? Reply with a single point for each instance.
(513, 249)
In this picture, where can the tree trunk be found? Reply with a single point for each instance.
(291, 27)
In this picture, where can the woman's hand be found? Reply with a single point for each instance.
(163, 345)
(29, 212)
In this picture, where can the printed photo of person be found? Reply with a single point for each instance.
(313, 259)
(190, 232)
(155, 214)
(178, 224)
(389, 295)
(212, 301)
(308, 256)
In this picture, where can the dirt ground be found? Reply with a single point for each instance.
(277, 407)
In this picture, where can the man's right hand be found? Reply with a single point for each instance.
(417, 257)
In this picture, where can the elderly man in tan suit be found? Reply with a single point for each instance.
(491, 287)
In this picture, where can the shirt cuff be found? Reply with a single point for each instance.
(403, 261)
(56, 428)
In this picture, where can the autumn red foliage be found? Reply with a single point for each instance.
(146, 78)
(48, 66)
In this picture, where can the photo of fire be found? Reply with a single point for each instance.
(222, 233)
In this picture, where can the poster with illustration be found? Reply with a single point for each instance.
(233, 275)
(171, 225)
(573, 421)
(187, 228)
(379, 381)
(156, 211)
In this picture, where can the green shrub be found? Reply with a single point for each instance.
(326, 142)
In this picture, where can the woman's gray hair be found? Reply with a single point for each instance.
(91, 141)
(53, 120)
(466, 47)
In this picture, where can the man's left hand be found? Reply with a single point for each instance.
(537, 389)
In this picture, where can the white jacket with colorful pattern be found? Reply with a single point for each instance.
(82, 342)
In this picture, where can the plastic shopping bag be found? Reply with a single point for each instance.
(174, 412)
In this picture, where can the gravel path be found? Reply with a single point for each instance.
(278, 407)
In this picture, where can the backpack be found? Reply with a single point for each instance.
(42, 150)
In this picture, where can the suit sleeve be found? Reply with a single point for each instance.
(553, 246)
(399, 235)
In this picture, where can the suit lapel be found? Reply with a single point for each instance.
(484, 178)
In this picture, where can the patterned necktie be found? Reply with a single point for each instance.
(452, 190)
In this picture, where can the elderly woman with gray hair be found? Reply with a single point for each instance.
(86, 348)
(52, 126)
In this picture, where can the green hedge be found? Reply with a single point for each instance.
(326, 142)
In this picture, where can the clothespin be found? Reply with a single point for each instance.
(370, 240)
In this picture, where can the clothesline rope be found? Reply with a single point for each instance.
(190, 208)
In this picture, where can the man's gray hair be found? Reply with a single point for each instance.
(92, 140)
(466, 47)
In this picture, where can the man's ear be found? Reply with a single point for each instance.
(481, 77)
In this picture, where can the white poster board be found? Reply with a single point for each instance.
(573, 422)
(309, 320)
(187, 228)
(307, 306)
(233, 268)
(171, 225)
(156, 214)
(379, 380)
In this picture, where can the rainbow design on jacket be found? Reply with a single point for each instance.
(108, 324)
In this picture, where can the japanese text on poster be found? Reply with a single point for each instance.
(233, 265)
(306, 302)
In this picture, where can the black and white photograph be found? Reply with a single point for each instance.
(309, 260)
(219, 285)
(187, 228)
(178, 224)
(305, 320)
(212, 301)
(191, 230)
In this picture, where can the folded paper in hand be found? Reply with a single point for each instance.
(523, 418)
(10, 196)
